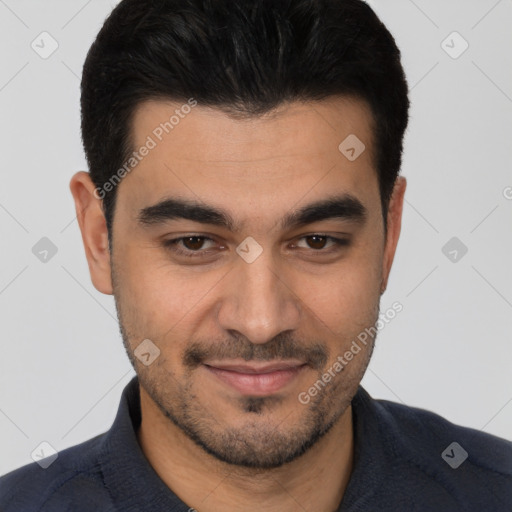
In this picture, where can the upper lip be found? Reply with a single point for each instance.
(255, 368)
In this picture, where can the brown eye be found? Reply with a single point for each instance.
(193, 243)
(322, 243)
(190, 246)
(316, 241)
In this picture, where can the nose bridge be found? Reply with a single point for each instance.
(259, 305)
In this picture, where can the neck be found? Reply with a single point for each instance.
(315, 481)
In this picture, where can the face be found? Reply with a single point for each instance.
(251, 254)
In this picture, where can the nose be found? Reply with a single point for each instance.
(259, 303)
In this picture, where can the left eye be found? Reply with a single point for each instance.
(319, 242)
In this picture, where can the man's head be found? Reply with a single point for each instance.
(257, 220)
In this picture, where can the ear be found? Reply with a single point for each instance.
(394, 220)
(93, 226)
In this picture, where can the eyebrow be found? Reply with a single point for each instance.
(345, 207)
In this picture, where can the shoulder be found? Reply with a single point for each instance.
(469, 465)
(75, 473)
(419, 427)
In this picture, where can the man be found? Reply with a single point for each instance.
(243, 206)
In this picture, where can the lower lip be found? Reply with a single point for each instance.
(256, 384)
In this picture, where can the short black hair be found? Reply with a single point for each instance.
(244, 57)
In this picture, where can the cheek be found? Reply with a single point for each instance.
(346, 307)
(161, 300)
(346, 298)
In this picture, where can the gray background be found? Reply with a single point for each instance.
(62, 364)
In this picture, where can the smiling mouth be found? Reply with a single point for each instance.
(256, 379)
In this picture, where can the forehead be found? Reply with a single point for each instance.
(215, 135)
(203, 153)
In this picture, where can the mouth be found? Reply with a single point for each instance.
(256, 379)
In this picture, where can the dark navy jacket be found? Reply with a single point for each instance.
(406, 459)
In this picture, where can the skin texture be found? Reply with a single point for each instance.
(218, 448)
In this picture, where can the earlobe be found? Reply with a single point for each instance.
(91, 219)
(394, 221)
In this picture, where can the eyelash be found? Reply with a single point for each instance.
(172, 245)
